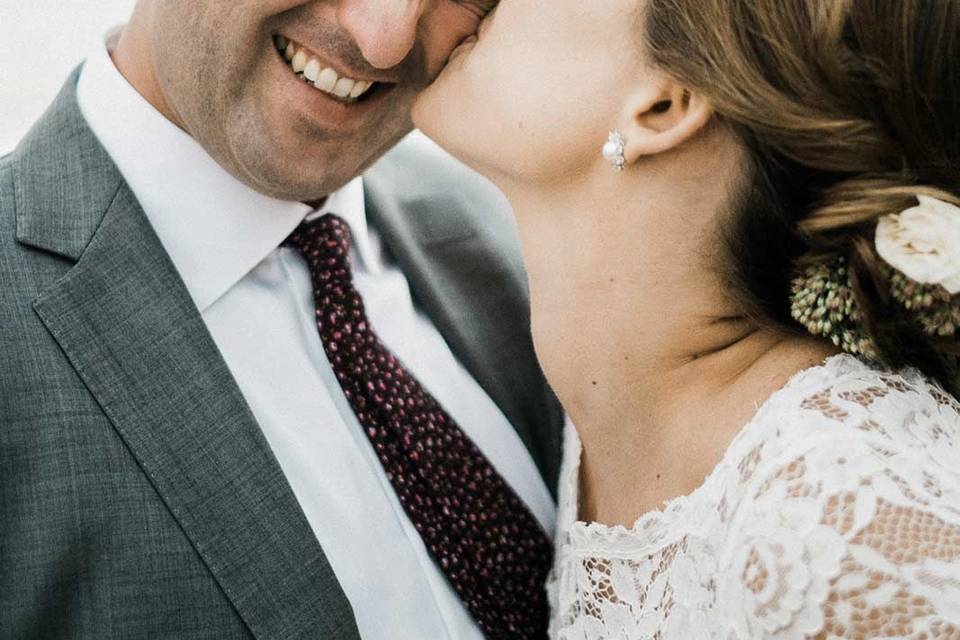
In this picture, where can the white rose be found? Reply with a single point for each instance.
(923, 242)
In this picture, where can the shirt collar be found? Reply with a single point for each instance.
(350, 204)
(215, 228)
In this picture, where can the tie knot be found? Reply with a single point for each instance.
(324, 242)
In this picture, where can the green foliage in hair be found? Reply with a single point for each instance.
(822, 301)
(937, 312)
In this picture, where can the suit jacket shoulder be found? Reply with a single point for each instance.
(138, 496)
(448, 199)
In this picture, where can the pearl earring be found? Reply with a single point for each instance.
(613, 150)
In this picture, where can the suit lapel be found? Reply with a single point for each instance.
(460, 272)
(125, 321)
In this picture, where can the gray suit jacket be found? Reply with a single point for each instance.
(138, 496)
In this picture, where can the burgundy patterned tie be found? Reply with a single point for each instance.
(485, 540)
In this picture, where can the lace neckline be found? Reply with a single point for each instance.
(834, 505)
(655, 522)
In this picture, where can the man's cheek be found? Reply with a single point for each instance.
(479, 8)
(448, 26)
(464, 15)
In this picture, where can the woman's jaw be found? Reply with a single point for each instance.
(524, 100)
(626, 268)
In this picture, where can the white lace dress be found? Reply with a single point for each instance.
(835, 513)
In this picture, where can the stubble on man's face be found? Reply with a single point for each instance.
(229, 87)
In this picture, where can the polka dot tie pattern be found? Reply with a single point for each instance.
(484, 539)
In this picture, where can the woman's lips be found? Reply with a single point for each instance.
(463, 46)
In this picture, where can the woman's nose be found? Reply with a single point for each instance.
(385, 30)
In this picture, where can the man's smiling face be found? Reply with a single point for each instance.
(224, 77)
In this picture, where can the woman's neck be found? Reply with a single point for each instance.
(624, 297)
(639, 338)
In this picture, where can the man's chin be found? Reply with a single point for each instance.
(292, 176)
(303, 190)
(282, 160)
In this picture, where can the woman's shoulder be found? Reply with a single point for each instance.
(847, 405)
(849, 431)
(849, 507)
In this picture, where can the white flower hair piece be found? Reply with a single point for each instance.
(923, 242)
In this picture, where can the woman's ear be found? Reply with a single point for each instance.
(662, 116)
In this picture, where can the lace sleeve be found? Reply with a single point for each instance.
(853, 532)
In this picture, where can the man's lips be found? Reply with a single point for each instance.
(324, 76)
(323, 110)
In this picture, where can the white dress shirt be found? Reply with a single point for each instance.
(256, 301)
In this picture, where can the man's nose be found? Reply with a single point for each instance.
(385, 30)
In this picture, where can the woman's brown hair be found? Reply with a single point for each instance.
(848, 110)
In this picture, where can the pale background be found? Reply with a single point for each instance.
(41, 41)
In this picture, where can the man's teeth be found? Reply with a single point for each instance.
(323, 78)
(299, 62)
